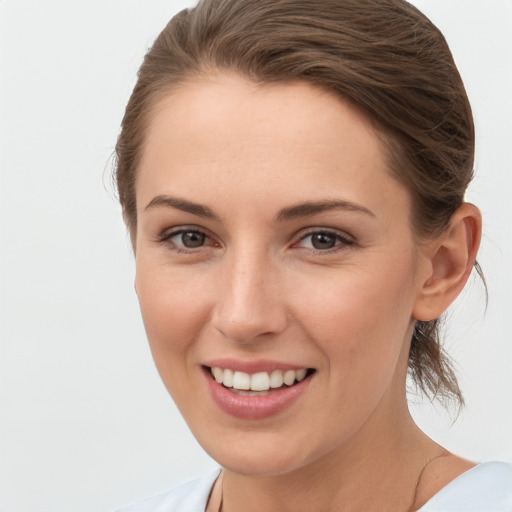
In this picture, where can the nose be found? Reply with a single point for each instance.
(250, 305)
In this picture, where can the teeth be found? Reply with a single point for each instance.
(218, 374)
(227, 380)
(300, 374)
(260, 381)
(241, 380)
(276, 379)
(289, 377)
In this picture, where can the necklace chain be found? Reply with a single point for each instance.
(444, 453)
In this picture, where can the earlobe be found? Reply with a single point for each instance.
(451, 260)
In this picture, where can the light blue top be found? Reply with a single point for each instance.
(484, 488)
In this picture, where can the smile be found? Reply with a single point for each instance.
(257, 382)
(257, 394)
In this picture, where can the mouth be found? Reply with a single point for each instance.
(260, 383)
(257, 389)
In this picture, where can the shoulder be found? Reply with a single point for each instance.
(485, 488)
(189, 497)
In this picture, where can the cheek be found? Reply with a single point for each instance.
(361, 327)
(173, 311)
(359, 319)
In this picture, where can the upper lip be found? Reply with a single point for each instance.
(260, 365)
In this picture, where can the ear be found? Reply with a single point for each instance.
(450, 259)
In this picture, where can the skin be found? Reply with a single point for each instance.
(259, 289)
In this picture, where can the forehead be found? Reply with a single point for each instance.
(294, 139)
(241, 109)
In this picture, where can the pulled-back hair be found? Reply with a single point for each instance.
(383, 56)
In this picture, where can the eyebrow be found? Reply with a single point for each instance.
(182, 204)
(315, 207)
(288, 213)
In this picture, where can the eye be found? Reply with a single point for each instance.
(189, 239)
(323, 240)
(186, 239)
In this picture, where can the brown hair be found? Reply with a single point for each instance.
(382, 55)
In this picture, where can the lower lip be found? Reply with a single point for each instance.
(254, 407)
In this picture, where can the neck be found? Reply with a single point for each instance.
(381, 468)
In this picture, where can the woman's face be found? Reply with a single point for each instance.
(271, 243)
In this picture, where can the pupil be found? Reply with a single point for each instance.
(192, 239)
(323, 241)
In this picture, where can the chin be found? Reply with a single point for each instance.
(260, 455)
(260, 466)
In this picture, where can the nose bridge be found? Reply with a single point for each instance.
(249, 303)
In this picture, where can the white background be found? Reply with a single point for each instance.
(85, 424)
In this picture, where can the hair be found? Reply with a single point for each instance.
(384, 56)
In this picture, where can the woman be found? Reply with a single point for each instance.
(292, 174)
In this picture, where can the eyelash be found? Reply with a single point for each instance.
(166, 239)
(342, 241)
